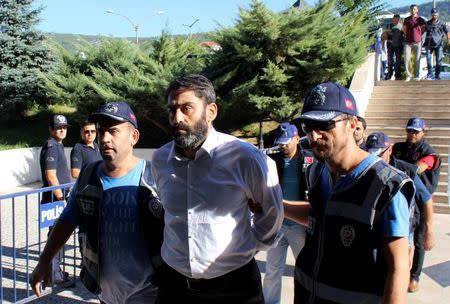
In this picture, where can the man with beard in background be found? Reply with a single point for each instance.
(209, 183)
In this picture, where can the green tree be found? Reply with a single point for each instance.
(24, 54)
(118, 70)
(269, 60)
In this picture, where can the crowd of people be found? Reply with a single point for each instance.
(186, 226)
(408, 39)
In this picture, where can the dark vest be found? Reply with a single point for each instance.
(344, 240)
(306, 158)
(89, 199)
(412, 153)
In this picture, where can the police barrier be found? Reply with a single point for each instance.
(23, 234)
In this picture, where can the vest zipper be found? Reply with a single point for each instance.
(317, 265)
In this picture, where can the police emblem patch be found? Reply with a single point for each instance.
(318, 95)
(347, 235)
(111, 108)
(155, 207)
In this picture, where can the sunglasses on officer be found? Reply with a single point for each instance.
(412, 131)
(315, 125)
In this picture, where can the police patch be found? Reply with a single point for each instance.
(87, 206)
(111, 108)
(318, 95)
(347, 235)
(155, 207)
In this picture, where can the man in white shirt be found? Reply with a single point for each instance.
(208, 182)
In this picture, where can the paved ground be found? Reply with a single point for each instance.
(434, 284)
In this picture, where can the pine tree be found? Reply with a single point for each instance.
(24, 54)
(269, 60)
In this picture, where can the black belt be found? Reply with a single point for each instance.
(214, 283)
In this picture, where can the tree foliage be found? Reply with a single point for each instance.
(118, 70)
(24, 54)
(269, 60)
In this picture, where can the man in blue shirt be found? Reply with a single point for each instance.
(291, 162)
(114, 203)
(86, 151)
(356, 248)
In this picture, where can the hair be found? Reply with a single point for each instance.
(364, 123)
(86, 123)
(396, 16)
(202, 87)
(413, 5)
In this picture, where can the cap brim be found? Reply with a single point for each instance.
(319, 115)
(95, 117)
(283, 141)
(375, 151)
(413, 128)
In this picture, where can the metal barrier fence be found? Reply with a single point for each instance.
(22, 238)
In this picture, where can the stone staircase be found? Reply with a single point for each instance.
(392, 103)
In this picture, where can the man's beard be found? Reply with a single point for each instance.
(193, 136)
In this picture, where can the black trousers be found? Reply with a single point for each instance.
(241, 286)
(419, 251)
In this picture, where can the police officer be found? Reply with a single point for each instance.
(356, 248)
(114, 203)
(292, 160)
(86, 151)
(416, 150)
(54, 167)
(378, 143)
(55, 171)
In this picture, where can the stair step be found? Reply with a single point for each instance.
(402, 83)
(377, 107)
(403, 114)
(400, 131)
(443, 208)
(395, 121)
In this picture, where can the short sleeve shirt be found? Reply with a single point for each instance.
(82, 155)
(52, 157)
(394, 221)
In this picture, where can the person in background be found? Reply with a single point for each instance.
(356, 248)
(222, 204)
(413, 27)
(360, 131)
(86, 151)
(292, 162)
(436, 30)
(395, 39)
(379, 143)
(416, 150)
(54, 172)
(114, 203)
(381, 50)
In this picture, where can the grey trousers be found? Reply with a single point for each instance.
(416, 49)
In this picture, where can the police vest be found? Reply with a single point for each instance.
(343, 260)
(412, 153)
(306, 158)
(89, 199)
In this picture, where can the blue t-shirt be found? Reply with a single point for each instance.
(289, 184)
(125, 266)
(395, 219)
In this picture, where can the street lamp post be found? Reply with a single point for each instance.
(190, 26)
(134, 24)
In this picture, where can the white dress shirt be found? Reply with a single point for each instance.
(209, 229)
